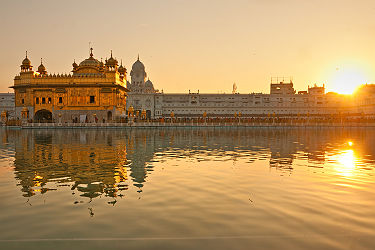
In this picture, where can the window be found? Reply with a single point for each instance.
(43, 100)
(49, 100)
(37, 100)
(23, 101)
(92, 99)
(60, 99)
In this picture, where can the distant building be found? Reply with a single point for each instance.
(7, 104)
(282, 100)
(365, 99)
(94, 91)
(142, 91)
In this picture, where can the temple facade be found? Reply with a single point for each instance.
(95, 91)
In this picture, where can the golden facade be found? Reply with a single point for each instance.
(94, 92)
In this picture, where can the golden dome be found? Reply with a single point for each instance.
(41, 68)
(111, 61)
(26, 62)
(75, 65)
(122, 69)
(90, 62)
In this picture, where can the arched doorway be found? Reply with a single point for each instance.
(109, 116)
(43, 115)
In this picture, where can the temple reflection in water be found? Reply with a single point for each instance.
(105, 162)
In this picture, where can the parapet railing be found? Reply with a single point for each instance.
(195, 124)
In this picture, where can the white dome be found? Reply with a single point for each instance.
(149, 84)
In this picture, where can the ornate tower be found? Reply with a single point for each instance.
(26, 65)
(42, 69)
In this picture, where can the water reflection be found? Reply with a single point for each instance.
(346, 160)
(90, 163)
(105, 162)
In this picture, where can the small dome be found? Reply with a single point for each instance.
(26, 62)
(75, 65)
(111, 61)
(41, 68)
(149, 84)
(121, 70)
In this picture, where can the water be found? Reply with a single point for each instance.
(187, 189)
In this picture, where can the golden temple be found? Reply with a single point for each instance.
(95, 91)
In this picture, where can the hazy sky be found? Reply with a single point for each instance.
(205, 45)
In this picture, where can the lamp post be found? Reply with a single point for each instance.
(143, 114)
(172, 116)
(24, 114)
(59, 119)
(130, 114)
(4, 117)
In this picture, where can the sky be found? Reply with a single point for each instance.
(204, 45)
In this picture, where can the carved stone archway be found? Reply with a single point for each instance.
(43, 115)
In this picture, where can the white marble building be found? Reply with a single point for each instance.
(7, 104)
(282, 100)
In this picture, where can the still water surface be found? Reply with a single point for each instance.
(187, 189)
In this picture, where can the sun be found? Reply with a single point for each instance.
(347, 80)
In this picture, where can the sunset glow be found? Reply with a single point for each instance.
(201, 45)
(187, 124)
(346, 162)
(346, 80)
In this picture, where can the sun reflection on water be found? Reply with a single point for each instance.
(346, 162)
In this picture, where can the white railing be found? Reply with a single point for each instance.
(194, 124)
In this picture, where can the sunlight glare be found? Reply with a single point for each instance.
(346, 160)
(346, 81)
